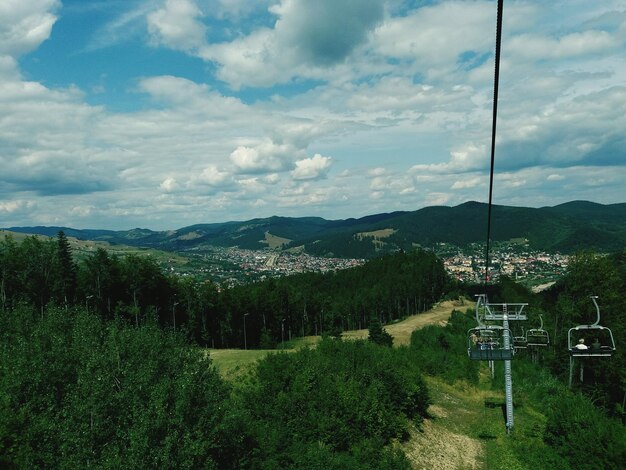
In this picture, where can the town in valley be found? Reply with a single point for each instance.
(229, 266)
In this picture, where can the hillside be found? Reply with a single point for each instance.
(566, 228)
(465, 424)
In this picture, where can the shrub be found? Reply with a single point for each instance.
(583, 435)
(338, 398)
(442, 351)
(76, 392)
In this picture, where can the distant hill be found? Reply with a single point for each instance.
(565, 228)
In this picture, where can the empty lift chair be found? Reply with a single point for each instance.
(537, 337)
(520, 342)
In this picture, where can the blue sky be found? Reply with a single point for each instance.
(166, 113)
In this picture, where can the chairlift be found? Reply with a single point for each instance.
(591, 340)
(520, 342)
(537, 337)
(487, 311)
(486, 343)
(497, 312)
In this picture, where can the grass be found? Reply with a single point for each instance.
(384, 233)
(235, 363)
(402, 330)
(466, 430)
(274, 241)
(18, 236)
(85, 248)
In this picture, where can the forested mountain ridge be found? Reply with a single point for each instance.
(566, 228)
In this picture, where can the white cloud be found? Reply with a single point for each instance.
(312, 168)
(468, 183)
(536, 47)
(177, 25)
(253, 60)
(128, 25)
(379, 171)
(325, 32)
(17, 205)
(307, 40)
(469, 157)
(215, 177)
(174, 90)
(8, 69)
(25, 24)
(169, 185)
(234, 9)
(272, 178)
(379, 183)
(433, 37)
(402, 103)
(437, 199)
(82, 211)
(266, 157)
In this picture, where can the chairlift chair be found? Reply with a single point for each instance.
(520, 342)
(537, 337)
(486, 343)
(601, 342)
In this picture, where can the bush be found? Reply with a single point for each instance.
(75, 392)
(442, 351)
(377, 334)
(345, 398)
(580, 432)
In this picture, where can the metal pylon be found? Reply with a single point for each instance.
(508, 380)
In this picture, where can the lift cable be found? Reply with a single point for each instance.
(493, 130)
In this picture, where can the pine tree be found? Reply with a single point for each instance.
(66, 288)
(378, 335)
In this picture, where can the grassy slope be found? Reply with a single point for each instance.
(464, 431)
(84, 248)
(401, 331)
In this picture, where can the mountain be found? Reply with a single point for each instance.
(566, 228)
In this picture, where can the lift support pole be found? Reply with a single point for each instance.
(508, 380)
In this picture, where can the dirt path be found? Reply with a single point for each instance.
(445, 440)
(401, 331)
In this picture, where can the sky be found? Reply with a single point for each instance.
(160, 114)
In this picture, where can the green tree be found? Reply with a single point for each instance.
(377, 334)
(77, 392)
(583, 435)
(10, 267)
(442, 351)
(341, 402)
(66, 277)
(99, 279)
(146, 286)
(38, 270)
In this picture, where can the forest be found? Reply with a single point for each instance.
(134, 288)
(103, 363)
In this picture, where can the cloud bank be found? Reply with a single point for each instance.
(290, 107)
